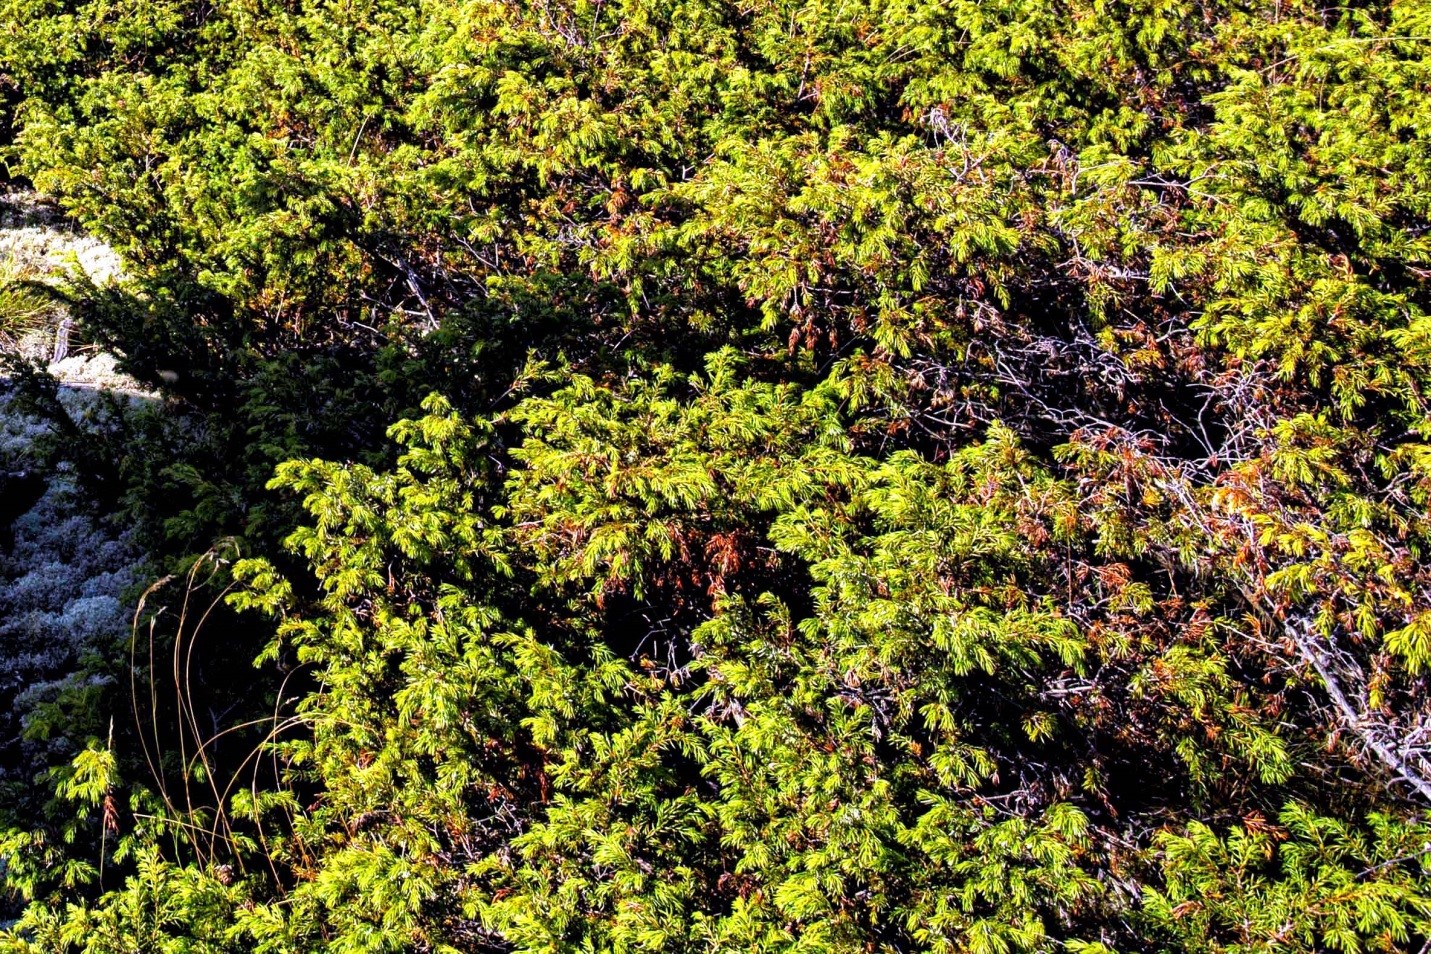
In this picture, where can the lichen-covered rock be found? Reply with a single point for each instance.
(66, 590)
(66, 575)
(34, 236)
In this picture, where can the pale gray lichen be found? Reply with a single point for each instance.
(65, 592)
(67, 578)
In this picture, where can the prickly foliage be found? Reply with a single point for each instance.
(870, 476)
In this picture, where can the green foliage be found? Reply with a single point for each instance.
(871, 476)
(1308, 883)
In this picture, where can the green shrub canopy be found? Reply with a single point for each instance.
(871, 476)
